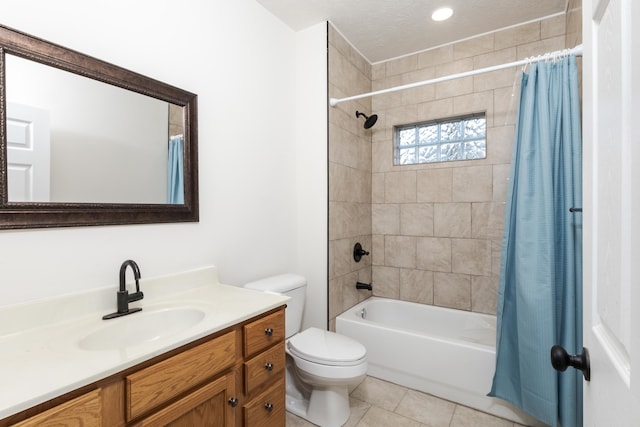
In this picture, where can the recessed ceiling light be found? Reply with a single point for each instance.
(442, 14)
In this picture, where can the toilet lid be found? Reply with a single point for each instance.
(325, 347)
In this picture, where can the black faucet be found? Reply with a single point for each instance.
(123, 296)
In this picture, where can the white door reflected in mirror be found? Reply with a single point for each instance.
(28, 153)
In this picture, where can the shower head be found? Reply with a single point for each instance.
(369, 121)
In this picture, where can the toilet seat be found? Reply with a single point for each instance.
(326, 348)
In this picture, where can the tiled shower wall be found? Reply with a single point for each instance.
(574, 23)
(349, 176)
(437, 228)
(434, 231)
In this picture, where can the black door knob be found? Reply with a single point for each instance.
(561, 360)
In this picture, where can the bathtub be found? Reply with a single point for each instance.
(444, 352)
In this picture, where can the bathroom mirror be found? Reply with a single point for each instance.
(85, 142)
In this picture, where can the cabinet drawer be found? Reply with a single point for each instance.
(165, 380)
(85, 410)
(268, 408)
(264, 367)
(263, 332)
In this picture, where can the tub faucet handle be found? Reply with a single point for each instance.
(358, 252)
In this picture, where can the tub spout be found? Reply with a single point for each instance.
(367, 286)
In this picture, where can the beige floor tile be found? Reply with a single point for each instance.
(377, 417)
(379, 393)
(429, 410)
(466, 417)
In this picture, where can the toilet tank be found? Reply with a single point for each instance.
(291, 285)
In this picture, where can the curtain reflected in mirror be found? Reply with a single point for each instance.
(175, 183)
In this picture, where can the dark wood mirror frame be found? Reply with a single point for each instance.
(18, 215)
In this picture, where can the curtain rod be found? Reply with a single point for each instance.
(577, 51)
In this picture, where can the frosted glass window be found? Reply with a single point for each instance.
(460, 138)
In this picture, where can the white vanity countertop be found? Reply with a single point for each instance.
(40, 357)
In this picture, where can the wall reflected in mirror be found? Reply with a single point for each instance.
(71, 139)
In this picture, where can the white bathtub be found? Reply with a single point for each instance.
(444, 352)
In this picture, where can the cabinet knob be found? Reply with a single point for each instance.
(268, 366)
(268, 407)
(268, 331)
(233, 401)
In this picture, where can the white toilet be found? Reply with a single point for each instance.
(321, 365)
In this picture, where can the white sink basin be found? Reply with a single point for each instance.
(141, 327)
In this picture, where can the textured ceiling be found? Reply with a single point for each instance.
(385, 29)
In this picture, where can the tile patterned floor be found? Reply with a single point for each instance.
(377, 403)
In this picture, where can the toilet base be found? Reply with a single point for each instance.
(326, 406)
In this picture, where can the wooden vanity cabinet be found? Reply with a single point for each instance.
(233, 378)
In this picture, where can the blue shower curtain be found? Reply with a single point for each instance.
(175, 182)
(540, 290)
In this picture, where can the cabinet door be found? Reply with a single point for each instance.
(208, 406)
(151, 387)
(81, 411)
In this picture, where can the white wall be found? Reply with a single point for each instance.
(312, 173)
(241, 61)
